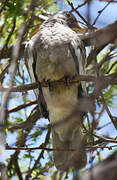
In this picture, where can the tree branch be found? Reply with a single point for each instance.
(15, 109)
(101, 37)
(105, 81)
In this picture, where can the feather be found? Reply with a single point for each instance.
(53, 53)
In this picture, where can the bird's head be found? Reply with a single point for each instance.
(66, 18)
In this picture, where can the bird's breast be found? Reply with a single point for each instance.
(55, 62)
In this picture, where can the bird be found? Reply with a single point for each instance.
(54, 53)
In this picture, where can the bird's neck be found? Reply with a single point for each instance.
(53, 22)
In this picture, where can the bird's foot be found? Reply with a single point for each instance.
(49, 85)
(68, 79)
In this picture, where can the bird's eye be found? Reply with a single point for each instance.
(68, 15)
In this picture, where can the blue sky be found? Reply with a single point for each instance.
(108, 16)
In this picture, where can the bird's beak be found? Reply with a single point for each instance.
(79, 29)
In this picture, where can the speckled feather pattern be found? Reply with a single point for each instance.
(54, 61)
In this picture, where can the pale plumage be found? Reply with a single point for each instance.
(52, 54)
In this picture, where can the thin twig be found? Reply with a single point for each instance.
(5, 70)
(32, 119)
(15, 109)
(97, 66)
(98, 128)
(109, 140)
(111, 67)
(11, 32)
(99, 12)
(80, 5)
(108, 111)
(75, 10)
(9, 36)
(40, 156)
(57, 149)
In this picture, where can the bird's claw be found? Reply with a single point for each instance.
(49, 85)
(68, 79)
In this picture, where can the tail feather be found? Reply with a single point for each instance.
(69, 159)
(60, 157)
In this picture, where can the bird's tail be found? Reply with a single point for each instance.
(63, 157)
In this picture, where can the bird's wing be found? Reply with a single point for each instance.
(78, 52)
(30, 56)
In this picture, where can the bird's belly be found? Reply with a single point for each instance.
(56, 71)
(61, 96)
(62, 103)
(66, 122)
